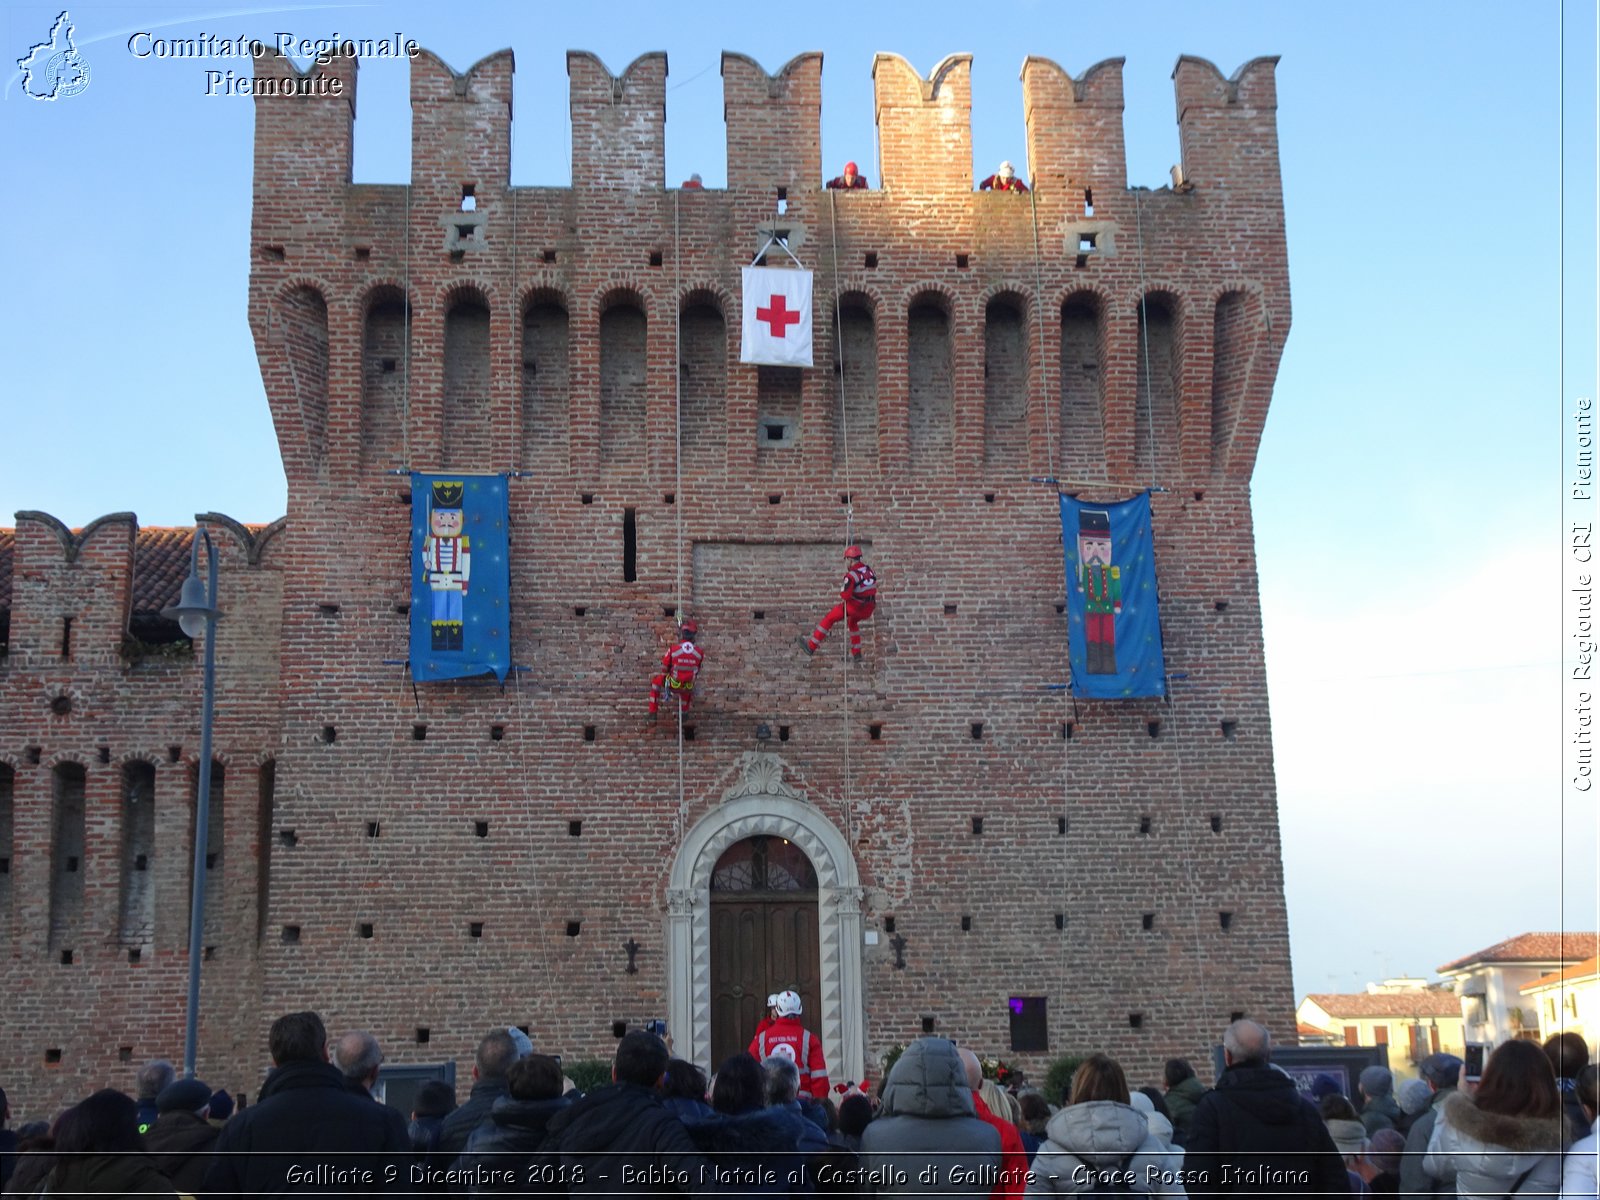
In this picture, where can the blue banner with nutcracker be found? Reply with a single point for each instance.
(460, 577)
(1113, 616)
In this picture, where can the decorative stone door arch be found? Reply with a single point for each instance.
(762, 803)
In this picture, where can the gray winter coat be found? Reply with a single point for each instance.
(927, 1126)
(1487, 1153)
(1414, 1180)
(1087, 1140)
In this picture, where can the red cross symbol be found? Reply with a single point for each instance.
(778, 317)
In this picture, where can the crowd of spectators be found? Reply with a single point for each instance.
(933, 1125)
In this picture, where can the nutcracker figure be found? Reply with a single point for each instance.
(446, 563)
(1101, 585)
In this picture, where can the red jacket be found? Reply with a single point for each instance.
(1013, 1157)
(807, 1047)
(682, 661)
(860, 585)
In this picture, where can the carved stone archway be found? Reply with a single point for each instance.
(762, 803)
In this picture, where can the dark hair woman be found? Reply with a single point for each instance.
(1506, 1139)
(100, 1151)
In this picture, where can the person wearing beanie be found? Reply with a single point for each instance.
(1441, 1073)
(1377, 1089)
(1413, 1096)
(1324, 1085)
(181, 1140)
(148, 1082)
(1380, 1166)
(221, 1107)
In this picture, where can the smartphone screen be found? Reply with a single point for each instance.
(1474, 1060)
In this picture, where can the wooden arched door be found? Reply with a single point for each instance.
(763, 939)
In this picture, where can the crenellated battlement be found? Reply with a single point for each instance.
(461, 256)
(77, 596)
(461, 120)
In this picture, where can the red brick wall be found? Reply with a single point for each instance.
(968, 549)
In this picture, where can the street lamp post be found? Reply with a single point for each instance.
(196, 613)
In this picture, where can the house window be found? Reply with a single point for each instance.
(1572, 1004)
(1433, 1038)
(1419, 1043)
(1550, 1009)
(1380, 1035)
(1352, 1036)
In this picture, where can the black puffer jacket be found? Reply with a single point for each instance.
(1254, 1134)
(502, 1155)
(459, 1125)
(180, 1146)
(296, 1139)
(753, 1153)
(649, 1149)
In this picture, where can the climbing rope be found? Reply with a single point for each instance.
(677, 463)
(1038, 311)
(849, 492)
(1193, 880)
(405, 353)
(1144, 333)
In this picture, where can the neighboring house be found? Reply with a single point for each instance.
(1413, 1023)
(1490, 982)
(1567, 1001)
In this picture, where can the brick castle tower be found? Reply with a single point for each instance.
(940, 840)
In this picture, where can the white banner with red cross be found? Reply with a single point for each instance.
(777, 317)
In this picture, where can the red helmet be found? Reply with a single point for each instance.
(850, 169)
(852, 551)
(688, 626)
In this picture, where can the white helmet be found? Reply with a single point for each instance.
(787, 1004)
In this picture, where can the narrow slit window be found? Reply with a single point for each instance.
(630, 546)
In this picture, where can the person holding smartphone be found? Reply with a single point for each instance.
(1506, 1135)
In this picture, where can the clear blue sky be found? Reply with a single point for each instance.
(1408, 494)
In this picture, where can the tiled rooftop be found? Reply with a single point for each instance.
(1532, 947)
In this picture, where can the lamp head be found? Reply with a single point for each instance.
(191, 611)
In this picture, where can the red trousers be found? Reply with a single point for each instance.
(684, 691)
(852, 614)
